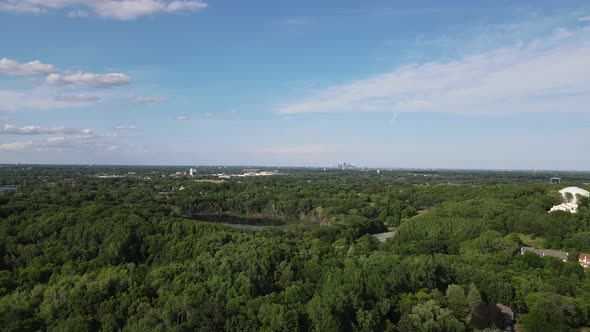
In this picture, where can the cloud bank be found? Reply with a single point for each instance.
(111, 9)
(543, 76)
(82, 143)
(37, 130)
(89, 79)
(12, 67)
(53, 77)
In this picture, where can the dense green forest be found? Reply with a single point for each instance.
(82, 253)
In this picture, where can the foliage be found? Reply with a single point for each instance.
(429, 317)
(83, 253)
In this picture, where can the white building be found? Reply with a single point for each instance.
(567, 207)
(570, 205)
(574, 191)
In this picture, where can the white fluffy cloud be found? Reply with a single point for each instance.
(183, 118)
(52, 76)
(113, 9)
(89, 79)
(545, 75)
(20, 7)
(12, 67)
(37, 130)
(148, 100)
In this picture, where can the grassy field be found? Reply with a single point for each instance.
(531, 241)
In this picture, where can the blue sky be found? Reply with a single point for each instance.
(427, 84)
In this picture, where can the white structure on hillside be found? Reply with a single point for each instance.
(574, 191)
(570, 199)
(192, 171)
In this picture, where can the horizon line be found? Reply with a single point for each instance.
(332, 167)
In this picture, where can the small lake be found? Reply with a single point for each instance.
(229, 220)
(7, 188)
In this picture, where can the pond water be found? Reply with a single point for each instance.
(250, 222)
(7, 188)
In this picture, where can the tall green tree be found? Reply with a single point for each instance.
(430, 317)
(549, 312)
(473, 297)
(457, 301)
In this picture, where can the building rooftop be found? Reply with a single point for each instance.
(545, 252)
(574, 191)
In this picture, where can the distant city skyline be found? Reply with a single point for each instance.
(498, 85)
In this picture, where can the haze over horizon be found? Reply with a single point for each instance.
(502, 85)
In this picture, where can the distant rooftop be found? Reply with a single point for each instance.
(543, 252)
